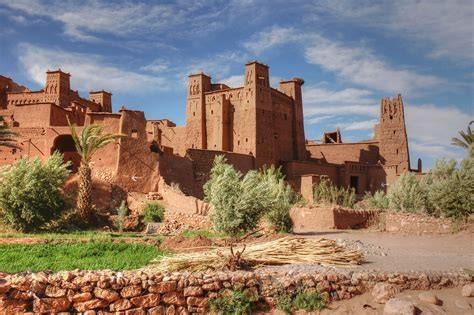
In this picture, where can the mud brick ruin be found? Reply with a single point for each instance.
(253, 125)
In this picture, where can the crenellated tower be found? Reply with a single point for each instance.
(198, 84)
(103, 98)
(57, 88)
(392, 135)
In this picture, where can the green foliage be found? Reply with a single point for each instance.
(449, 189)
(284, 302)
(81, 255)
(326, 192)
(236, 302)
(239, 202)
(202, 233)
(282, 197)
(378, 200)
(30, 194)
(153, 212)
(309, 301)
(122, 212)
(466, 138)
(407, 194)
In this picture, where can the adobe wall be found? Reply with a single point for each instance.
(338, 153)
(137, 166)
(177, 170)
(149, 292)
(322, 218)
(203, 161)
(295, 169)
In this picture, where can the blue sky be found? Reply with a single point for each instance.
(350, 54)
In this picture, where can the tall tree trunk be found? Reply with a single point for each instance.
(84, 197)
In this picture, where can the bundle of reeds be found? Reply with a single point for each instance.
(287, 250)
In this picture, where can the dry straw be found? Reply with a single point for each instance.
(287, 250)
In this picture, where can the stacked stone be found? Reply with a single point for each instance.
(147, 292)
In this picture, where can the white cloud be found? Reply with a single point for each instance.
(432, 127)
(270, 38)
(446, 26)
(88, 72)
(156, 66)
(359, 125)
(360, 66)
(86, 20)
(322, 101)
(234, 80)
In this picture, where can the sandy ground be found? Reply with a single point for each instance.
(364, 304)
(395, 252)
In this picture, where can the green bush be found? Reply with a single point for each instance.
(326, 192)
(378, 200)
(309, 301)
(30, 194)
(407, 194)
(122, 212)
(236, 302)
(282, 198)
(238, 201)
(449, 189)
(153, 212)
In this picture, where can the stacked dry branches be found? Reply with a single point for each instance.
(288, 250)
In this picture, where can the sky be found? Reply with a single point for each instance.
(350, 54)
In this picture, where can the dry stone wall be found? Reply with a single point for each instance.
(148, 292)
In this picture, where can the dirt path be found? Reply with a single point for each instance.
(394, 252)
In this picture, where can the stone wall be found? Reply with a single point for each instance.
(149, 292)
(416, 224)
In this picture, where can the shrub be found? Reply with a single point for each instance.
(309, 301)
(449, 188)
(236, 302)
(153, 212)
(122, 212)
(284, 302)
(407, 194)
(238, 201)
(378, 200)
(326, 192)
(30, 194)
(282, 198)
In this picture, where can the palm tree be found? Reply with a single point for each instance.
(87, 143)
(466, 139)
(7, 136)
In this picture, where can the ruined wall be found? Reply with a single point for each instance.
(295, 169)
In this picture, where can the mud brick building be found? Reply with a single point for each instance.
(252, 125)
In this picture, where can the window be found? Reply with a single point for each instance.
(134, 134)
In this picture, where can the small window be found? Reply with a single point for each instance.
(394, 131)
(212, 112)
(246, 139)
(194, 113)
(134, 134)
(286, 116)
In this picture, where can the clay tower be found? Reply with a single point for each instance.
(57, 88)
(392, 134)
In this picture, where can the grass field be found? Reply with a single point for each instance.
(69, 256)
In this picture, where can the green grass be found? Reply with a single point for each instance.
(203, 233)
(82, 236)
(69, 256)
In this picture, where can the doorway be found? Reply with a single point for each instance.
(354, 183)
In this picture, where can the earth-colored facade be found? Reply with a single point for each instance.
(253, 125)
